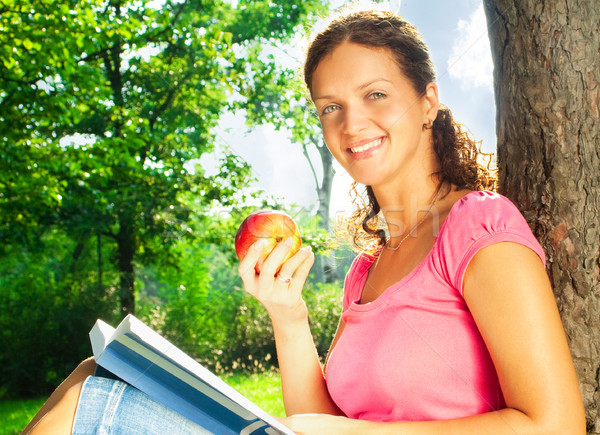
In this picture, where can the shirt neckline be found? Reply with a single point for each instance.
(355, 305)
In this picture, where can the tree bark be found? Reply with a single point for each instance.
(547, 86)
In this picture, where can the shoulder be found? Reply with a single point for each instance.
(477, 220)
(485, 212)
(483, 201)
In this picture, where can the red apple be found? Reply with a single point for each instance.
(273, 226)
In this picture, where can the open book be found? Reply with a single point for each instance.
(144, 359)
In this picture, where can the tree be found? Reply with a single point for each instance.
(140, 87)
(547, 85)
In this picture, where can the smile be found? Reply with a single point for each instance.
(366, 147)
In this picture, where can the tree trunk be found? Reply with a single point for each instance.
(126, 251)
(326, 269)
(324, 192)
(547, 85)
(324, 189)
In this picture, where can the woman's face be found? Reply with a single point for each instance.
(372, 118)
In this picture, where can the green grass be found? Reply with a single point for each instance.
(264, 390)
(15, 414)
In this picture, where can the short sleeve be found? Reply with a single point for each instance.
(478, 220)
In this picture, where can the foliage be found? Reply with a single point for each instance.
(48, 302)
(105, 109)
(229, 331)
(104, 104)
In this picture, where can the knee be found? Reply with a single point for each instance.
(59, 420)
(86, 368)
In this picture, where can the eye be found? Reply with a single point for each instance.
(329, 109)
(377, 95)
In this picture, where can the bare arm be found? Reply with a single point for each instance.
(303, 383)
(508, 292)
(509, 295)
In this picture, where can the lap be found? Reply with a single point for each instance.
(112, 406)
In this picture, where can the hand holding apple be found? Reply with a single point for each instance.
(284, 266)
(273, 226)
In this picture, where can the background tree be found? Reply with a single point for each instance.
(547, 85)
(104, 108)
(143, 87)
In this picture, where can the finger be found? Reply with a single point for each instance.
(247, 265)
(302, 271)
(275, 258)
(288, 269)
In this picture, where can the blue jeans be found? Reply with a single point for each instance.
(110, 406)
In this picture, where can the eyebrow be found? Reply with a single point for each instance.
(358, 88)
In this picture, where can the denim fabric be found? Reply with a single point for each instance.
(109, 406)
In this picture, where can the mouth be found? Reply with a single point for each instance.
(363, 147)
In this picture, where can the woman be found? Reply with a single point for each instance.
(449, 322)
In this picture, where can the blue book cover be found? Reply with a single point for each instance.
(141, 357)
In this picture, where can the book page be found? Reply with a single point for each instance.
(100, 335)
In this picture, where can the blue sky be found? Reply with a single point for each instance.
(455, 32)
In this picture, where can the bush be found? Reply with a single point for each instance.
(324, 301)
(198, 302)
(251, 346)
(203, 309)
(45, 317)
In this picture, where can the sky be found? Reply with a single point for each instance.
(456, 34)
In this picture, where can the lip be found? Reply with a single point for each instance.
(363, 154)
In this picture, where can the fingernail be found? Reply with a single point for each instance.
(260, 244)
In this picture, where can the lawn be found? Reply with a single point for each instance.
(15, 414)
(264, 390)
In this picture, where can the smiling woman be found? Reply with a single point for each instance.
(434, 336)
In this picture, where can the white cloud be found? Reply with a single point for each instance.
(471, 61)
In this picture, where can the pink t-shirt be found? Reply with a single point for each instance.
(415, 353)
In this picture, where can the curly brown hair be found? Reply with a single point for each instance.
(460, 157)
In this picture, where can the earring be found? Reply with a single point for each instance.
(428, 126)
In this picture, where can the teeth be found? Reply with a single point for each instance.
(365, 147)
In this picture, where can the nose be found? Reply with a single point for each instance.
(355, 121)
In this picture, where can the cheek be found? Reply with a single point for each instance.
(391, 116)
(332, 146)
(406, 122)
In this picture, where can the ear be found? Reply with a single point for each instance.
(431, 102)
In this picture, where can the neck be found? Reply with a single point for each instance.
(408, 208)
(407, 196)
